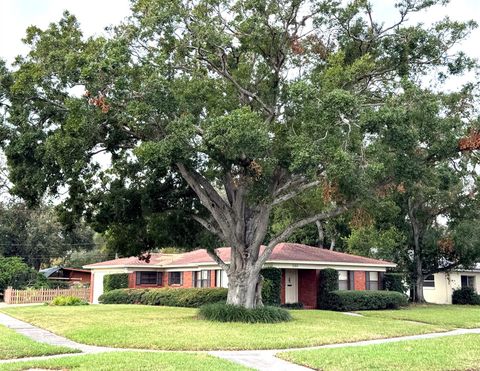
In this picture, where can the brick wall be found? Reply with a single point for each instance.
(187, 280)
(212, 278)
(307, 287)
(359, 280)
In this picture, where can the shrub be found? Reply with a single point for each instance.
(115, 282)
(394, 282)
(271, 286)
(465, 295)
(15, 273)
(344, 301)
(292, 305)
(327, 282)
(193, 297)
(67, 301)
(231, 313)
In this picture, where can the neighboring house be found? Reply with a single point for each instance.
(71, 275)
(438, 287)
(299, 264)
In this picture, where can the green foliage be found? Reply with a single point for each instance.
(220, 312)
(37, 236)
(15, 273)
(380, 244)
(465, 295)
(272, 283)
(192, 297)
(345, 301)
(67, 301)
(327, 282)
(210, 109)
(394, 282)
(115, 281)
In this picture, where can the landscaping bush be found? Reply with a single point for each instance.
(394, 282)
(345, 301)
(192, 298)
(327, 282)
(15, 273)
(271, 285)
(231, 313)
(67, 301)
(465, 295)
(115, 282)
(292, 305)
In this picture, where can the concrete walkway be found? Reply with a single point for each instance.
(263, 360)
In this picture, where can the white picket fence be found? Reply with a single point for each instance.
(12, 296)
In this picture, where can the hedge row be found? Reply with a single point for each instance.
(271, 286)
(346, 301)
(178, 297)
(465, 295)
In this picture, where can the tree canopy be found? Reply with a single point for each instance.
(248, 103)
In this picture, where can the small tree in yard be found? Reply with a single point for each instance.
(250, 103)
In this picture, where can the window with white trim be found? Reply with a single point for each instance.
(343, 280)
(468, 281)
(372, 280)
(429, 281)
(201, 279)
(175, 278)
(149, 278)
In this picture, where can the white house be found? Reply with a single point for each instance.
(438, 287)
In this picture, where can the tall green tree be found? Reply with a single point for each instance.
(250, 103)
(37, 236)
(429, 218)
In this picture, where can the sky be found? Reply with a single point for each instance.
(95, 15)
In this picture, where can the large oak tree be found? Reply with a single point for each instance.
(248, 102)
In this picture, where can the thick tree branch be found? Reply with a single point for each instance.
(210, 198)
(213, 254)
(299, 224)
(296, 192)
(209, 226)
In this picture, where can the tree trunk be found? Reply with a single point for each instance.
(417, 296)
(321, 234)
(245, 289)
(418, 292)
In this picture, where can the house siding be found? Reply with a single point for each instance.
(83, 277)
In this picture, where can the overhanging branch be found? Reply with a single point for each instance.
(209, 226)
(287, 232)
(213, 254)
(296, 192)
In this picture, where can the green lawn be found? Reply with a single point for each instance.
(13, 345)
(449, 353)
(130, 361)
(135, 326)
(452, 316)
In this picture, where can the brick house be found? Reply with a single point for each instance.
(300, 266)
(71, 275)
